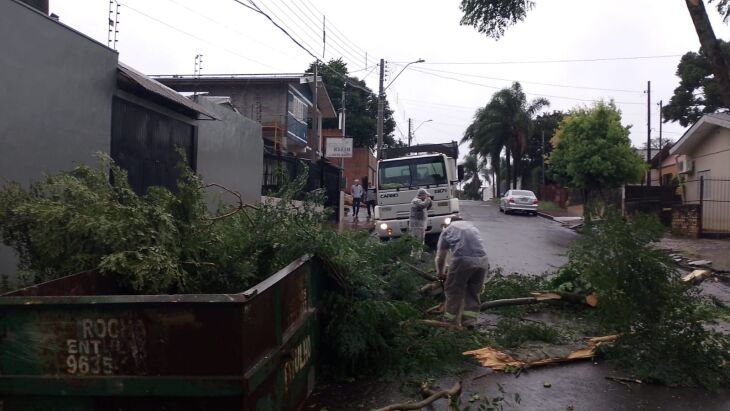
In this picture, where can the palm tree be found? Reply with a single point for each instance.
(504, 124)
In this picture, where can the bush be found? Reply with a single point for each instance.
(661, 333)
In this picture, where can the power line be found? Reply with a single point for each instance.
(289, 28)
(532, 94)
(336, 30)
(533, 82)
(219, 23)
(584, 60)
(195, 37)
(334, 44)
(258, 10)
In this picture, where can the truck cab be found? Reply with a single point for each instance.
(402, 172)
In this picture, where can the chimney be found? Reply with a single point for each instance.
(40, 5)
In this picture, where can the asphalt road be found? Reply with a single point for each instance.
(519, 243)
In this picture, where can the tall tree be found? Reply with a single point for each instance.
(592, 151)
(505, 123)
(698, 93)
(361, 105)
(471, 175)
(492, 17)
(545, 124)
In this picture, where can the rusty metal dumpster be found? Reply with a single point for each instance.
(72, 344)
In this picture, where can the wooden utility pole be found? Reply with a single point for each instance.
(315, 120)
(410, 133)
(648, 131)
(660, 141)
(344, 122)
(381, 103)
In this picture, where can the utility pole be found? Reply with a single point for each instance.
(542, 151)
(660, 141)
(315, 120)
(410, 133)
(344, 121)
(381, 103)
(648, 131)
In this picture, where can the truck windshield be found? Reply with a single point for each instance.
(412, 172)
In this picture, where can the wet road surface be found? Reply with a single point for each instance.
(519, 243)
(526, 244)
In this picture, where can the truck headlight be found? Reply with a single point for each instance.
(447, 220)
(383, 226)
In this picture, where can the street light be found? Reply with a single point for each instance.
(410, 134)
(381, 100)
(401, 72)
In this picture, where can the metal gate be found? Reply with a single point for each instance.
(146, 144)
(713, 196)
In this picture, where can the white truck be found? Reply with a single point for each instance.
(402, 172)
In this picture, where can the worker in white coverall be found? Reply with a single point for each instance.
(419, 214)
(466, 272)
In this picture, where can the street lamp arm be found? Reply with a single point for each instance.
(401, 72)
(422, 123)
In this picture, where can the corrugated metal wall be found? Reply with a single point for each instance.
(145, 143)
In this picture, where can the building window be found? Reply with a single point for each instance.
(297, 108)
(297, 118)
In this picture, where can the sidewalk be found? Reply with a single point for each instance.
(700, 249)
(567, 217)
(361, 223)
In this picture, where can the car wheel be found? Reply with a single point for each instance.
(506, 211)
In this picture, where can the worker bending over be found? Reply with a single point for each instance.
(466, 272)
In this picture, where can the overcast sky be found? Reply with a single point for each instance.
(163, 37)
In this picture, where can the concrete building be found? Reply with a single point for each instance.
(230, 153)
(282, 103)
(67, 97)
(57, 91)
(704, 161)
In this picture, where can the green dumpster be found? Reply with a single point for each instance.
(75, 344)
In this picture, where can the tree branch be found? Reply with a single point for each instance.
(455, 390)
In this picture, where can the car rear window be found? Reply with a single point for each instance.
(523, 193)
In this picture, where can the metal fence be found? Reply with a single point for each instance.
(713, 196)
(323, 175)
(657, 200)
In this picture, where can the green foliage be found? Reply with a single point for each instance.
(361, 105)
(568, 279)
(512, 333)
(492, 17)
(662, 336)
(592, 150)
(501, 286)
(698, 93)
(89, 218)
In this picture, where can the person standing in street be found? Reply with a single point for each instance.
(370, 200)
(356, 191)
(419, 214)
(466, 272)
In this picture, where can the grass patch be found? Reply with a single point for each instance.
(547, 206)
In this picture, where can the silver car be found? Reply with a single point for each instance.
(523, 201)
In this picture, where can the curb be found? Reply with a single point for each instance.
(543, 215)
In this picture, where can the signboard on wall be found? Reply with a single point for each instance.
(339, 147)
